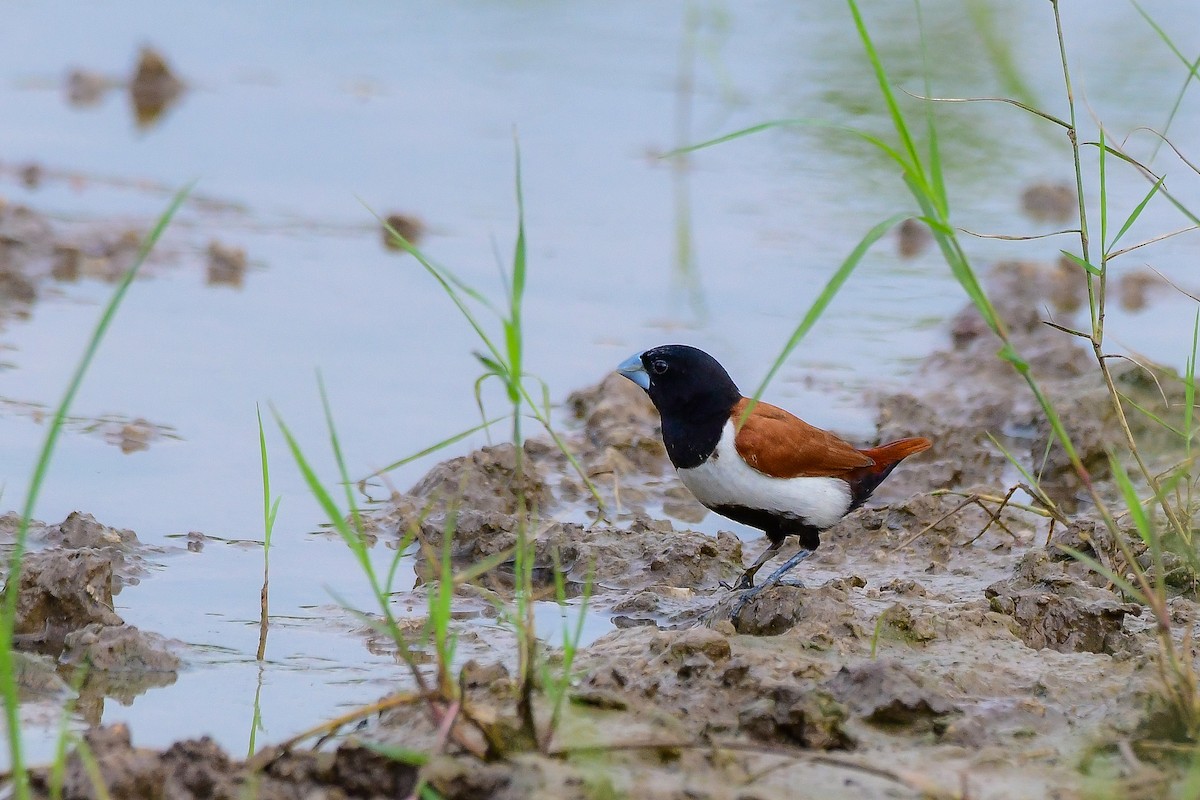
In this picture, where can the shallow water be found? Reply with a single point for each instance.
(294, 114)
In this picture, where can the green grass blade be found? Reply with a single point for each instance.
(885, 89)
(336, 445)
(1137, 211)
(883, 146)
(1137, 511)
(826, 296)
(738, 134)
(1162, 34)
(1125, 586)
(324, 498)
(937, 181)
(1103, 199)
(1087, 265)
(1189, 390)
(268, 511)
(433, 448)
(404, 755)
(8, 684)
(1150, 415)
(513, 327)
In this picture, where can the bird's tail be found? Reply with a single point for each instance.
(865, 480)
(889, 455)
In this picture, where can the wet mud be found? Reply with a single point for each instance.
(940, 646)
(67, 631)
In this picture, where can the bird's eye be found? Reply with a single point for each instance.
(659, 367)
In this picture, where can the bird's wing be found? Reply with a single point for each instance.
(782, 445)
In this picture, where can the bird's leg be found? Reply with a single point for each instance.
(773, 579)
(747, 579)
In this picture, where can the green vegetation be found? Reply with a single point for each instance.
(1170, 493)
(270, 511)
(442, 696)
(8, 678)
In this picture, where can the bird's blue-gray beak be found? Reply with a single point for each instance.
(632, 368)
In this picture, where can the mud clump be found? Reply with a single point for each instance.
(121, 648)
(226, 265)
(410, 228)
(198, 768)
(154, 87)
(1058, 611)
(485, 481)
(912, 238)
(1050, 202)
(82, 532)
(961, 455)
(887, 693)
(62, 591)
(813, 720)
(821, 616)
(620, 427)
(646, 553)
(64, 605)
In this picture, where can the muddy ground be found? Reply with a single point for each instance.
(938, 648)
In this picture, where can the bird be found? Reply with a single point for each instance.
(753, 462)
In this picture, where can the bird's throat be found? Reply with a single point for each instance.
(691, 440)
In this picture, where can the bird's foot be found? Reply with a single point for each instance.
(736, 611)
(744, 582)
(772, 580)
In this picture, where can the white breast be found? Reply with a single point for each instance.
(726, 480)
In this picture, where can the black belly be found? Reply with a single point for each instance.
(776, 526)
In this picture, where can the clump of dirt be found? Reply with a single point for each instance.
(119, 649)
(620, 428)
(154, 87)
(484, 481)
(912, 238)
(822, 612)
(887, 693)
(410, 227)
(198, 768)
(646, 553)
(1050, 202)
(226, 265)
(61, 591)
(64, 607)
(80, 531)
(1059, 611)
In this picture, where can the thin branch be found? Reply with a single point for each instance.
(1158, 238)
(1171, 145)
(1009, 100)
(1014, 238)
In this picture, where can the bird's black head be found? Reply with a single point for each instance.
(683, 382)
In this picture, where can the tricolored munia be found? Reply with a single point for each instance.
(767, 469)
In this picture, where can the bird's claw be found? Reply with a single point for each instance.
(746, 581)
(746, 597)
